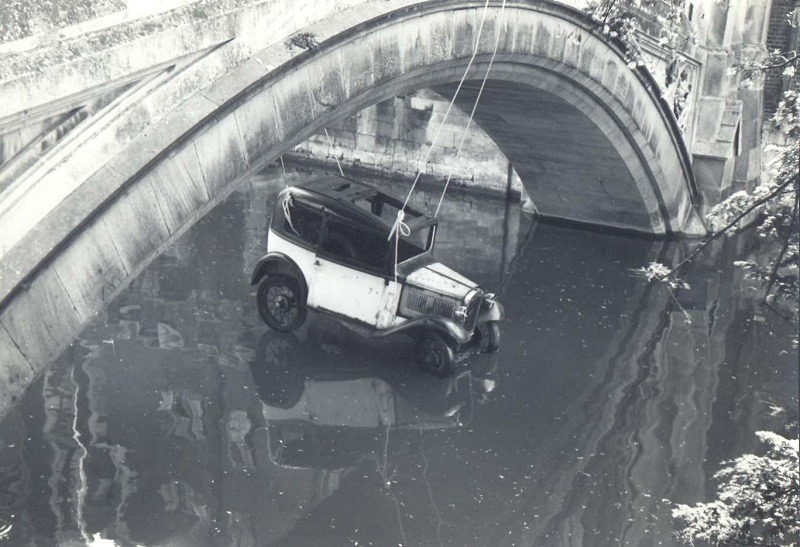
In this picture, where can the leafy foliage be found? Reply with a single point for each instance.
(623, 20)
(615, 19)
(655, 271)
(757, 500)
(303, 40)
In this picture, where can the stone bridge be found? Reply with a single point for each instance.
(186, 104)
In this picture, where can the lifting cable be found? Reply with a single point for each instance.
(474, 106)
(287, 200)
(330, 143)
(400, 227)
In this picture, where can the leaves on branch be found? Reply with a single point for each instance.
(757, 500)
(655, 271)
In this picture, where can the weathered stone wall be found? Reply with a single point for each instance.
(393, 138)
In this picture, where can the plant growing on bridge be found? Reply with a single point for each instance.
(616, 19)
(756, 503)
(624, 20)
(303, 40)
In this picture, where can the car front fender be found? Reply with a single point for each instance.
(443, 325)
(495, 312)
(280, 264)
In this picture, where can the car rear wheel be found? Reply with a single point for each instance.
(488, 337)
(279, 303)
(435, 354)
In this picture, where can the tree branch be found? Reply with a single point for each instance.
(733, 223)
(786, 319)
(777, 265)
(783, 63)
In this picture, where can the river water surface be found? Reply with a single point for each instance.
(178, 418)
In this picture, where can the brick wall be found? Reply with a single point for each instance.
(780, 36)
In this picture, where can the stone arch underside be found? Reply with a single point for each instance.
(266, 106)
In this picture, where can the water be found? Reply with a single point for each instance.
(177, 418)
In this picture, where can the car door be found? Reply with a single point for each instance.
(351, 275)
(296, 233)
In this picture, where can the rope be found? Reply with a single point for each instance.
(424, 162)
(398, 228)
(474, 106)
(286, 204)
(330, 142)
(285, 185)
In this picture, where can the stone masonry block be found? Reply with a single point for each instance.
(387, 59)
(51, 230)
(524, 35)
(236, 81)
(467, 21)
(357, 70)
(179, 187)
(137, 226)
(557, 48)
(572, 50)
(221, 153)
(439, 38)
(42, 320)
(90, 269)
(295, 105)
(327, 82)
(412, 46)
(542, 42)
(259, 123)
(622, 89)
(610, 74)
(489, 33)
(15, 372)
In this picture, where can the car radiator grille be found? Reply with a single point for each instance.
(472, 312)
(429, 304)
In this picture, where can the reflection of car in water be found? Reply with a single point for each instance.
(325, 411)
(341, 247)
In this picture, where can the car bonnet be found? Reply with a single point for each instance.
(439, 278)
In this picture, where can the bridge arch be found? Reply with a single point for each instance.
(549, 57)
(613, 153)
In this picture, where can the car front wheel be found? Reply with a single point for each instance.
(280, 304)
(435, 354)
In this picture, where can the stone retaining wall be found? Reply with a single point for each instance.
(392, 137)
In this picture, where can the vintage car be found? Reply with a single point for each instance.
(330, 249)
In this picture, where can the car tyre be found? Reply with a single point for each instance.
(280, 304)
(488, 337)
(435, 355)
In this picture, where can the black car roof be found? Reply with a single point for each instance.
(337, 194)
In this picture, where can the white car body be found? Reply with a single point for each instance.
(333, 240)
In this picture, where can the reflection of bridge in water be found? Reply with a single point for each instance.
(182, 418)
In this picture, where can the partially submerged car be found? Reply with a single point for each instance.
(330, 249)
